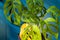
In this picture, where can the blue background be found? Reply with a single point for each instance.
(9, 31)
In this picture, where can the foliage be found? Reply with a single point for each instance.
(33, 12)
(12, 11)
(30, 32)
(52, 22)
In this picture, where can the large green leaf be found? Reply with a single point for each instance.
(12, 11)
(29, 14)
(30, 32)
(52, 22)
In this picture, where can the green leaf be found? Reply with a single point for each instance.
(10, 9)
(31, 31)
(55, 13)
